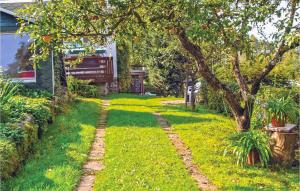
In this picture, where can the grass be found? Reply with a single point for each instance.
(138, 154)
(58, 158)
(205, 134)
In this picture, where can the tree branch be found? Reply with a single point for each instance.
(239, 78)
(206, 73)
(279, 53)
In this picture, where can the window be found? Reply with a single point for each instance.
(15, 60)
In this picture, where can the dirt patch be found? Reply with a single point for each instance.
(173, 102)
(94, 163)
(186, 154)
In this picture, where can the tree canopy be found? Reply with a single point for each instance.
(205, 29)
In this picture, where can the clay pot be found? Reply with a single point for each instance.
(47, 38)
(277, 123)
(253, 157)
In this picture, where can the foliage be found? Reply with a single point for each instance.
(82, 87)
(242, 143)
(215, 99)
(8, 158)
(266, 93)
(282, 108)
(38, 107)
(7, 90)
(167, 73)
(205, 29)
(61, 153)
(124, 66)
(14, 134)
(33, 93)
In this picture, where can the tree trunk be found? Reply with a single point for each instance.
(60, 75)
(243, 122)
(193, 95)
(204, 92)
(186, 91)
(241, 114)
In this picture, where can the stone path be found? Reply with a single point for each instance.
(202, 181)
(94, 162)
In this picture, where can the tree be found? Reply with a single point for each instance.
(200, 26)
(123, 66)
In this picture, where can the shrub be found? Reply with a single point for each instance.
(7, 90)
(39, 108)
(33, 93)
(8, 157)
(242, 143)
(82, 87)
(214, 100)
(13, 133)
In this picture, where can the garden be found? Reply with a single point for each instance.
(218, 107)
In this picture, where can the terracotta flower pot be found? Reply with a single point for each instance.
(47, 38)
(253, 157)
(277, 123)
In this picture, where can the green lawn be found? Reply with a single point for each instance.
(56, 164)
(138, 154)
(204, 133)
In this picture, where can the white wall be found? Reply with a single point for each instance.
(111, 50)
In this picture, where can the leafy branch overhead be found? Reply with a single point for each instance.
(203, 28)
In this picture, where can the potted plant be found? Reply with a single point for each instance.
(250, 147)
(280, 110)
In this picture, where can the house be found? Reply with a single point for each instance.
(99, 67)
(14, 61)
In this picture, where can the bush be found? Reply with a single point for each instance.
(12, 133)
(18, 139)
(39, 108)
(82, 87)
(33, 93)
(214, 100)
(23, 118)
(9, 160)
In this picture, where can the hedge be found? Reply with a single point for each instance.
(26, 119)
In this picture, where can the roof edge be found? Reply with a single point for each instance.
(8, 12)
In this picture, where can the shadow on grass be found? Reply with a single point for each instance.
(178, 119)
(59, 156)
(125, 118)
(128, 96)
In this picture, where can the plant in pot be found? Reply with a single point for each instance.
(250, 147)
(279, 111)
